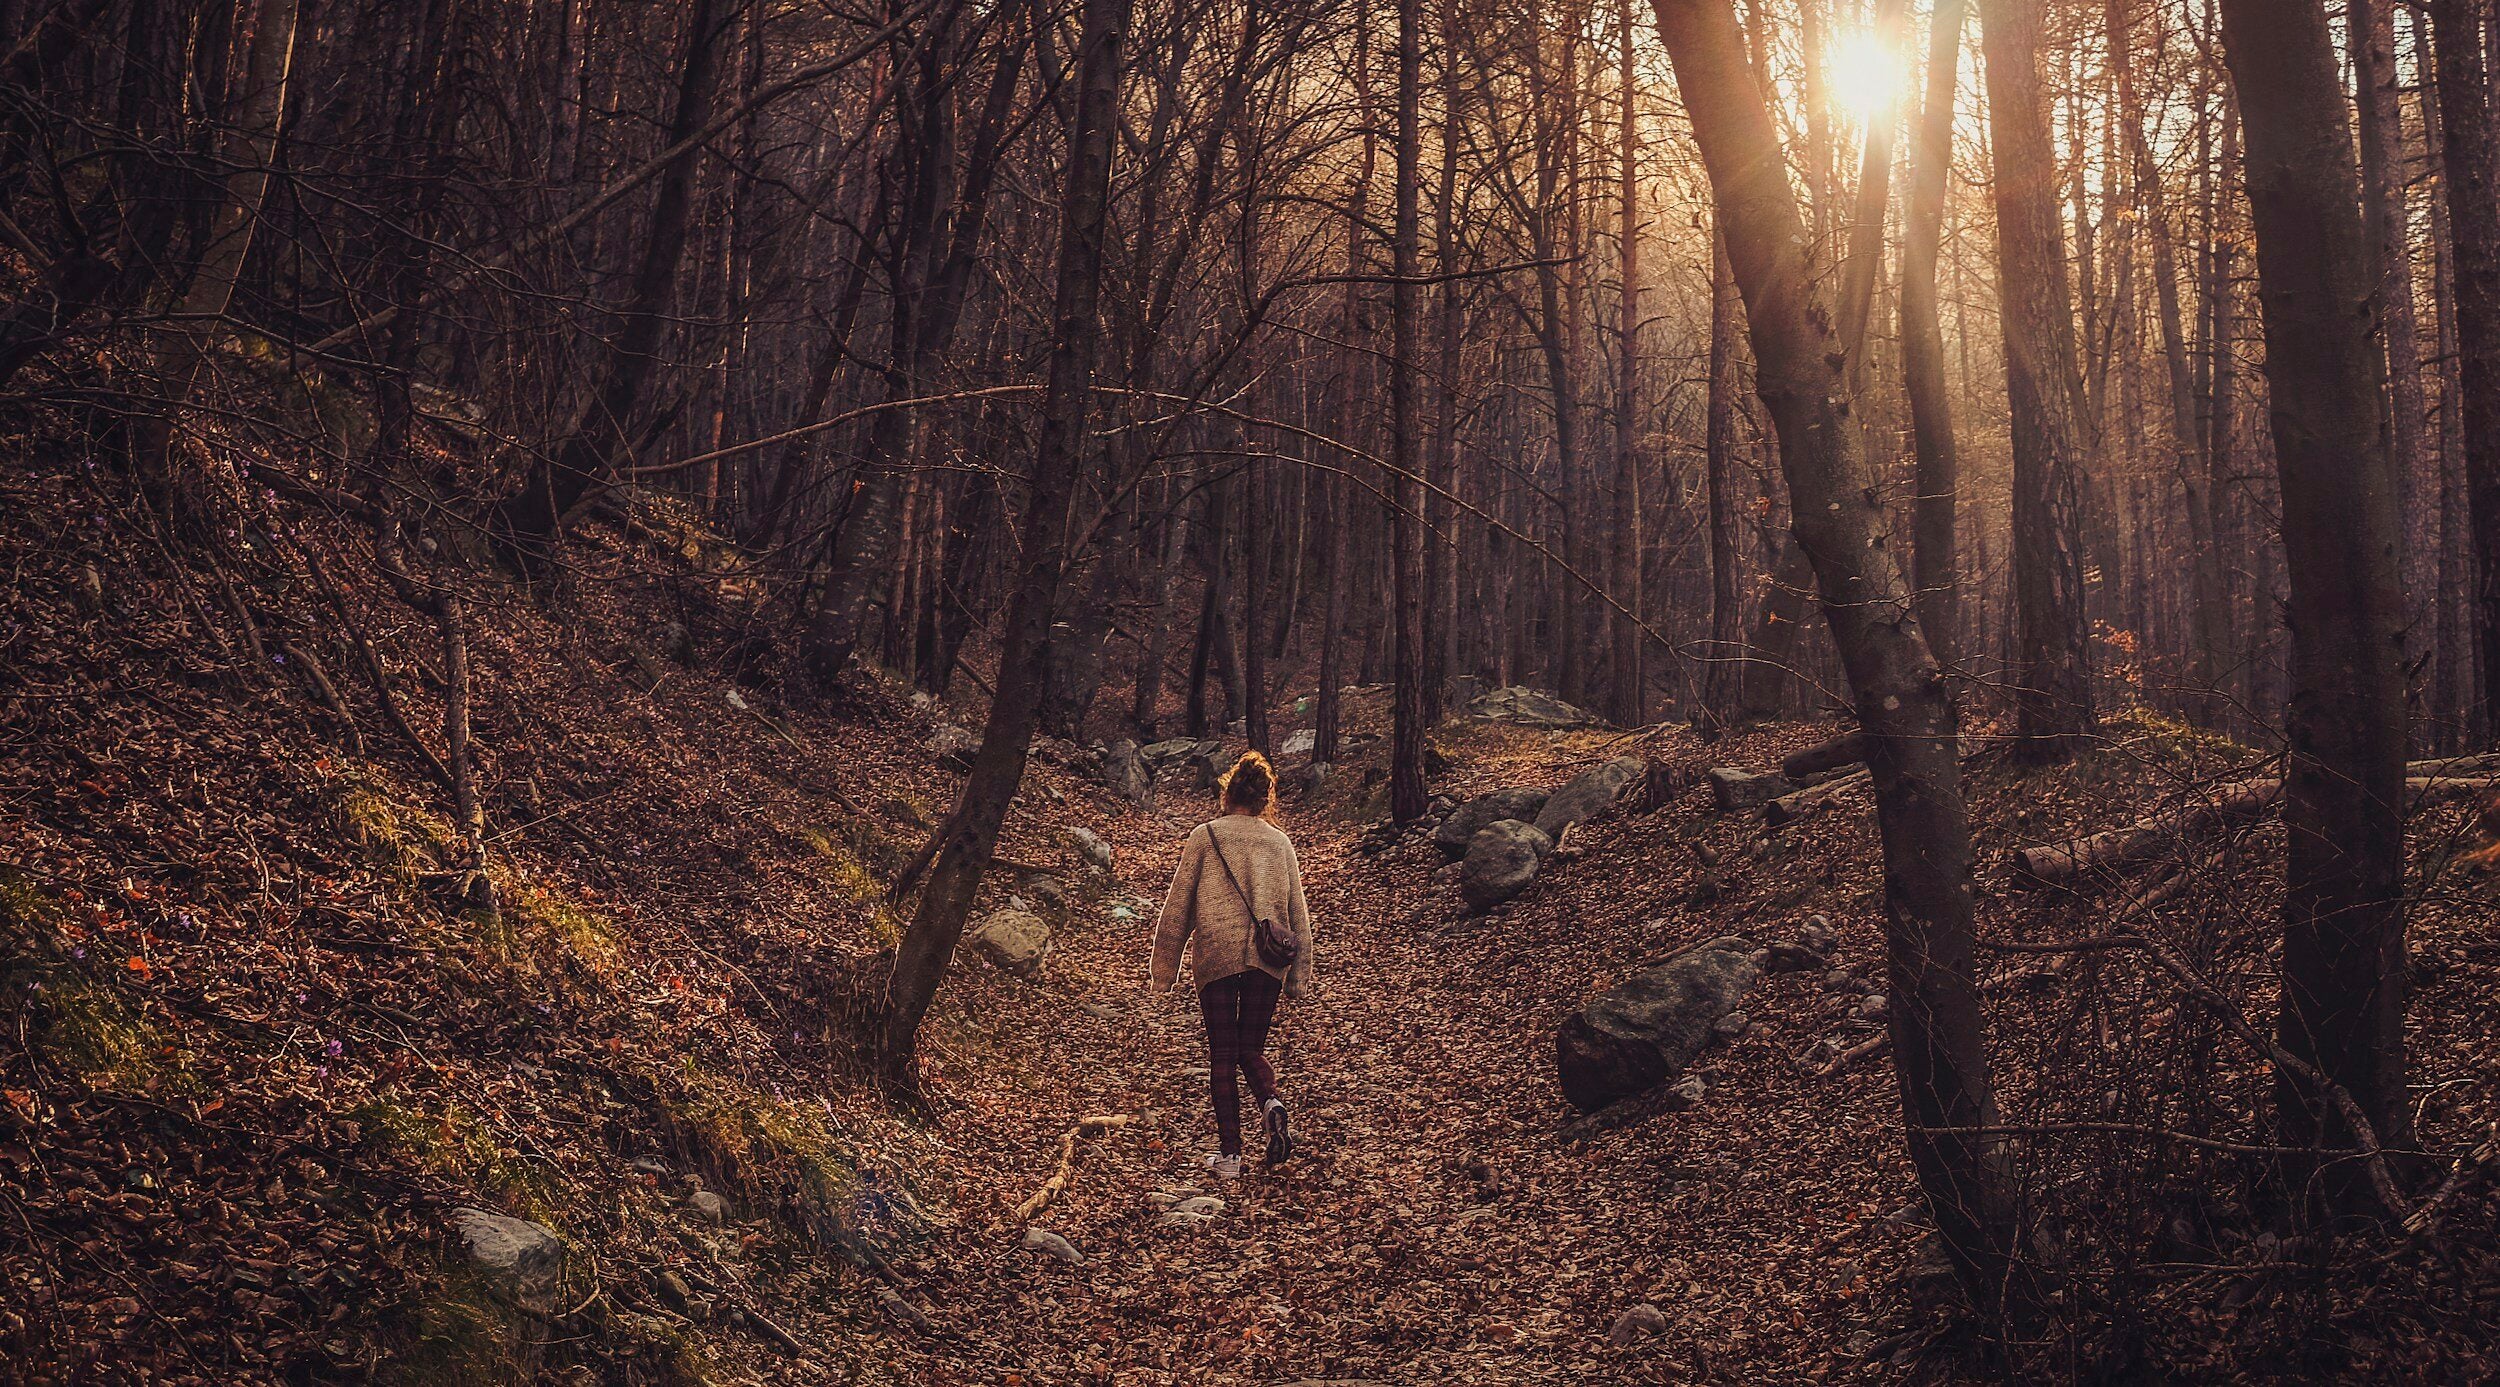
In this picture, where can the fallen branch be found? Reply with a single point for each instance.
(1057, 1184)
(1847, 749)
(2061, 953)
(1797, 804)
(1872, 1045)
(745, 1306)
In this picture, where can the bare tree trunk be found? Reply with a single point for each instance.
(970, 835)
(1407, 793)
(2378, 106)
(2053, 674)
(1727, 619)
(2472, 149)
(246, 149)
(1440, 541)
(1936, 570)
(599, 440)
(1902, 705)
(1629, 691)
(2343, 794)
(2456, 669)
(928, 300)
(1350, 399)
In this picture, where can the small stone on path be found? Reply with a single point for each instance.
(1043, 1240)
(1636, 1324)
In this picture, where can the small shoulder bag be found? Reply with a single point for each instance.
(1276, 944)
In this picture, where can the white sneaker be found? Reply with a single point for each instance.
(1223, 1167)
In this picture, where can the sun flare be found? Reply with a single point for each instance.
(1863, 72)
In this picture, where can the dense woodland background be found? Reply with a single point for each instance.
(1143, 370)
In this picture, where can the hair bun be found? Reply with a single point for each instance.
(1250, 786)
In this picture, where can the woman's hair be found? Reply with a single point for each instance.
(1250, 786)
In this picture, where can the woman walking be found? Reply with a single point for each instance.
(1236, 901)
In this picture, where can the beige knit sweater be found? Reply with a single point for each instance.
(1204, 911)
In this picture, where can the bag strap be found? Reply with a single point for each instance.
(1216, 841)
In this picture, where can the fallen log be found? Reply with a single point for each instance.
(2478, 763)
(2060, 864)
(2064, 864)
(1797, 804)
(1848, 749)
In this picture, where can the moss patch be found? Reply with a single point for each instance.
(857, 858)
(453, 1144)
(543, 923)
(401, 841)
(788, 1158)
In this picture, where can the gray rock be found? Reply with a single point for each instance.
(1125, 770)
(1207, 764)
(1299, 744)
(1044, 1241)
(1873, 1006)
(1050, 891)
(1795, 958)
(1842, 980)
(1645, 1030)
(1501, 860)
(1089, 845)
(1527, 707)
(1165, 753)
(1015, 940)
(1593, 793)
(526, 1258)
(1735, 791)
(1460, 828)
(1196, 1211)
(1638, 1323)
(1817, 934)
(648, 1165)
(1732, 1025)
(902, 1311)
(954, 746)
(708, 1206)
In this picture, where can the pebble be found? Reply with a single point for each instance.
(901, 1311)
(1043, 1240)
(1635, 1324)
(708, 1206)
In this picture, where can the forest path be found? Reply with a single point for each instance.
(1434, 1225)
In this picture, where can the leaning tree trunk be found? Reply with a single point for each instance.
(1902, 705)
(1935, 566)
(2053, 666)
(970, 834)
(2343, 793)
(2472, 146)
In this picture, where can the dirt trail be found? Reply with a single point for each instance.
(1436, 1226)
